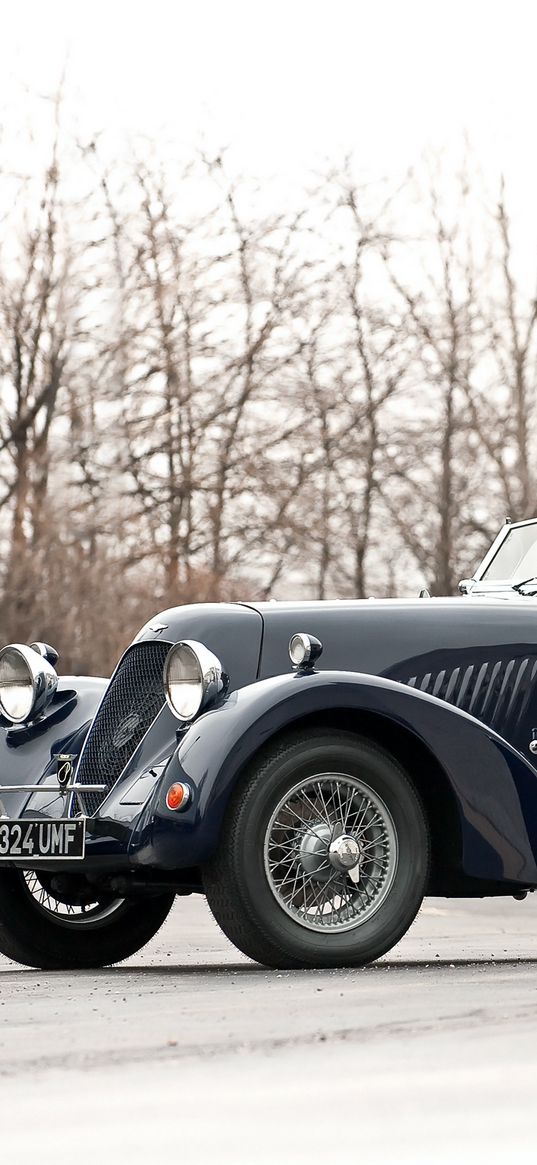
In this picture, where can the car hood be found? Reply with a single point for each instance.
(380, 635)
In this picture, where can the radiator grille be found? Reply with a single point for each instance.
(132, 700)
(497, 692)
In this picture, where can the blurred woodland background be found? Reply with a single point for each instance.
(209, 393)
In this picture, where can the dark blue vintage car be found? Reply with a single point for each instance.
(314, 769)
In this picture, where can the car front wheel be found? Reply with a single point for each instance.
(43, 927)
(324, 856)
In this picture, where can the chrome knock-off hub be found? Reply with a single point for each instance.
(320, 854)
(344, 853)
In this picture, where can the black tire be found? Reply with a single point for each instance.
(236, 881)
(32, 936)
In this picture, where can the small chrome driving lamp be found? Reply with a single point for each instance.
(304, 650)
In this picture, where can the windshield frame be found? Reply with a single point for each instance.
(491, 554)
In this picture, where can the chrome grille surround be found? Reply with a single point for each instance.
(133, 699)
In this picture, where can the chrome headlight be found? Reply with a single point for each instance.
(193, 677)
(27, 683)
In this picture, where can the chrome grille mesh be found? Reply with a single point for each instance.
(131, 702)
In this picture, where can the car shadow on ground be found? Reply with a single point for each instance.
(230, 969)
(254, 970)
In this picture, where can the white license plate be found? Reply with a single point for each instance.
(42, 839)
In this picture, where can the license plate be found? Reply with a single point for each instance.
(42, 839)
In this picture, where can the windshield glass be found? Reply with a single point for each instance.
(517, 557)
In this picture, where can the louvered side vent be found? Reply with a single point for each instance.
(133, 699)
(496, 692)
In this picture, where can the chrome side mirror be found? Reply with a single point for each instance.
(467, 585)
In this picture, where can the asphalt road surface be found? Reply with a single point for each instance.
(189, 1053)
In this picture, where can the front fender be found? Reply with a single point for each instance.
(494, 787)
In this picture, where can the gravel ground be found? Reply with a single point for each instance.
(190, 1053)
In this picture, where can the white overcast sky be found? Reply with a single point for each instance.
(289, 83)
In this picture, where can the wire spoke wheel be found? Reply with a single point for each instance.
(78, 910)
(331, 852)
(324, 855)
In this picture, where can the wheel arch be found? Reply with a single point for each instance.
(480, 794)
(421, 766)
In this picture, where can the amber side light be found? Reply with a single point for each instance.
(178, 796)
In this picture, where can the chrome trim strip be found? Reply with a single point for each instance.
(51, 788)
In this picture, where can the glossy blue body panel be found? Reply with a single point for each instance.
(486, 649)
(458, 676)
(494, 786)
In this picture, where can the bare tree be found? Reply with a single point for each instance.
(207, 396)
